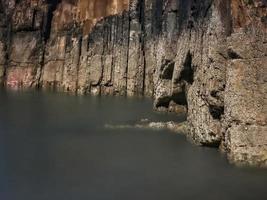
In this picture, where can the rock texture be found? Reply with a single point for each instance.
(244, 124)
(207, 58)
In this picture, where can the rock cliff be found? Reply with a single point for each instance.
(207, 57)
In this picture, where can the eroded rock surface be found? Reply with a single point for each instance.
(207, 58)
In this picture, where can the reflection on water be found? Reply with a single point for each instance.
(55, 147)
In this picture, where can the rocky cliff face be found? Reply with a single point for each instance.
(206, 57)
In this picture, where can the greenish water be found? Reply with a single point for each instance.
(56, 147)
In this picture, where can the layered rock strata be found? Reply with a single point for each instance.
(206, 57)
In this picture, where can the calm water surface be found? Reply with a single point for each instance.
(56, 147)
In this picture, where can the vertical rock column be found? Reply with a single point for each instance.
(135, 70)
(121, 54)
(92, 47)
(63, 49)
(26, 45)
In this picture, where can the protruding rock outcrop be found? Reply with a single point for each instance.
(205, 57)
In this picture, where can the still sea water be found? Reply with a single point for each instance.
(56, 147)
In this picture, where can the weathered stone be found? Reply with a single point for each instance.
(25, 56)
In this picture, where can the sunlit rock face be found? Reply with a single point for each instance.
(41, 26)
(71, 27)
(86, 12)
(98, 10)
(206, 57)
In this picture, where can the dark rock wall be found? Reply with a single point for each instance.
(206, 57)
